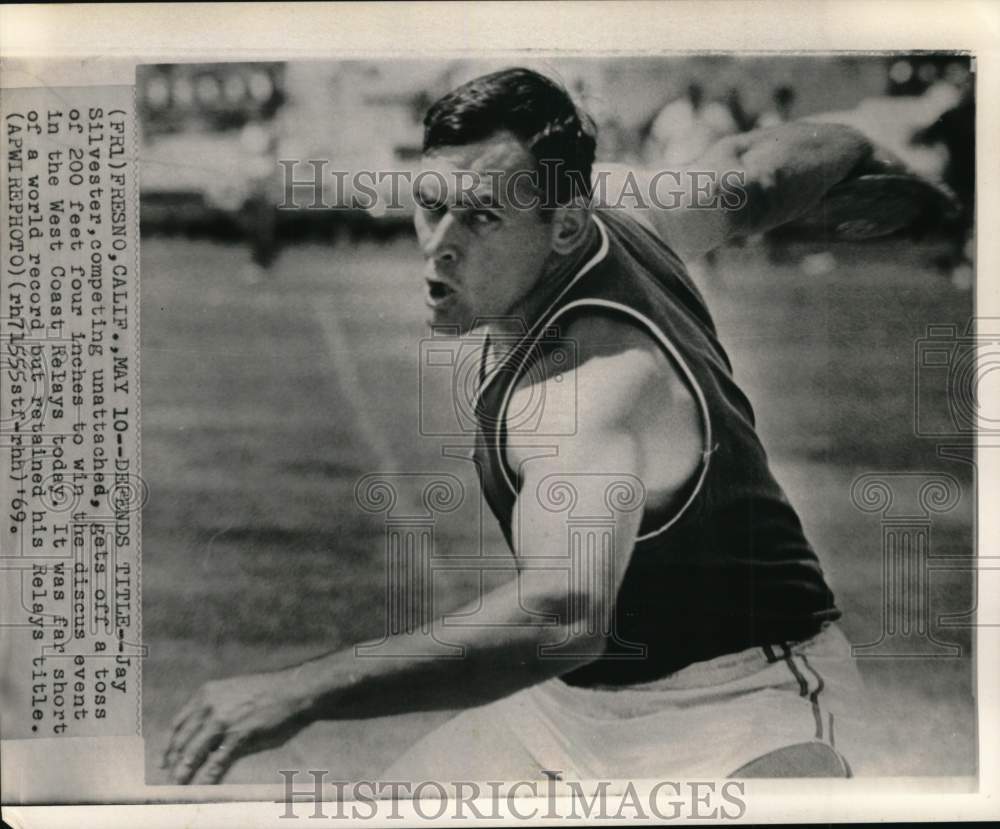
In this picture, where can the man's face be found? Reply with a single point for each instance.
(485, 245)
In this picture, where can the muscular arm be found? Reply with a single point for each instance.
(781, 172)
(233, 717)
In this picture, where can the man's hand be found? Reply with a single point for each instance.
(229, 718)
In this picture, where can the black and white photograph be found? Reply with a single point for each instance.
(477, 412)
(576, 418)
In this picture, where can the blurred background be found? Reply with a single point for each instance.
(213, 133)
(281, 362)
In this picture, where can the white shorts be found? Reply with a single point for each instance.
(707, 720)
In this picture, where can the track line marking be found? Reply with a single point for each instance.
(345, 371)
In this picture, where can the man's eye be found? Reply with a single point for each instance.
(482, 218)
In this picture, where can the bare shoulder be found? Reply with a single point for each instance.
(608, 372)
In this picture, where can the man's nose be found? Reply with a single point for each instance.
(441, 248)
(445, 259)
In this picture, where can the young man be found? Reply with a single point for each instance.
(699, 641)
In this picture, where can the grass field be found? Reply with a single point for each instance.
(264, 402)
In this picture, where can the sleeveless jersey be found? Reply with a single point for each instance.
(727, 566)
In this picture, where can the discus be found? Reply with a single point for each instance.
(870, 206)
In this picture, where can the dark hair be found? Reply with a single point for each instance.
(537, 110)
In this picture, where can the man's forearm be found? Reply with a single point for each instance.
(790, 168)
(229, 718)
(782, 172)
(496, 657)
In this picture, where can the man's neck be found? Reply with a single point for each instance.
(559, 269)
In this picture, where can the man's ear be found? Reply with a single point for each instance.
(569, 227)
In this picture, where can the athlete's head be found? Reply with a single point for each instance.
(502, 194)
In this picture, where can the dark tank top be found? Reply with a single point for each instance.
(727, 566)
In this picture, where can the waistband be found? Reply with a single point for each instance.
(725, 668)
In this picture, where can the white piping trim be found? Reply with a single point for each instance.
(602, 251)
(678, 359)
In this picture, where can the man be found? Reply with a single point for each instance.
(702, 642)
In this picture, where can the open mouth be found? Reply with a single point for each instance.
(439, 293)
